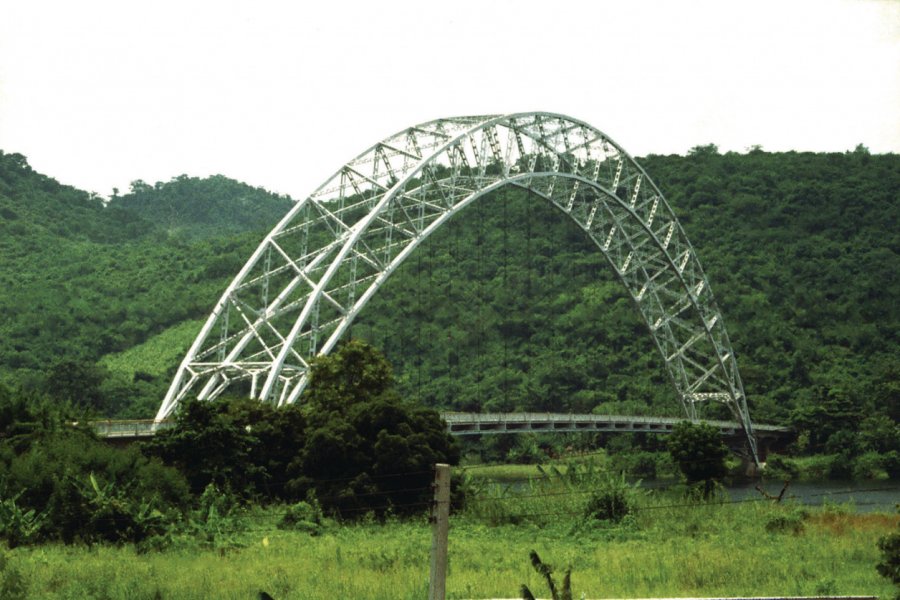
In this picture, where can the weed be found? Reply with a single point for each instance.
(303, 516)
(19, 526)
(546, 571)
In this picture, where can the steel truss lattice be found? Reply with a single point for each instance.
(313, 273)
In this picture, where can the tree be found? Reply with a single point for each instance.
(356, 373)
(699, 452)
(77, 383)
(208, 447)
(366, 449)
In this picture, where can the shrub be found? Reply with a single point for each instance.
(303, 516)
(892, 464)
(611, 501)
(17, 525)
(841, 466)
(868, 466)
(889, 566)
(216, 519)
(640, 463)
(781, 468)
(86, 490)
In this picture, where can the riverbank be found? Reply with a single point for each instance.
(666, 547)
(658, 467)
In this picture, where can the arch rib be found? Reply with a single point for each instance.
(320, 265)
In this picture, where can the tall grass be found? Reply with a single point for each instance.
(667, 547)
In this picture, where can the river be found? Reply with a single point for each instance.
(866, 496)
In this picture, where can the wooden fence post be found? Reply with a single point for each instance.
(440, 525)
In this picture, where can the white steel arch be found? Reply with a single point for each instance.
(313, 273)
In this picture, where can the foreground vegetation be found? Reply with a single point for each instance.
(752, 549)
(329, 499)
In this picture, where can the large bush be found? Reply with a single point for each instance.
(59, 482)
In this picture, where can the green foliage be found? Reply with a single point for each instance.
(889, 565)
(879, 433)
(781, 468)
(612, 500)
(132, 268)
(77, 384)
(361, 437)
(217, 519)
(869, 465)
(113, 516)
(243, 446)
(155, 357)
(189, 207)
(60, 483)
(210, 447)
(18, 525)
(699, 550)
(353, 443)
(507, 307)
(303, 516)
(699, 452)
(355, 374)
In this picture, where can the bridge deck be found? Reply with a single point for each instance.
(494, 423)
(488, 423)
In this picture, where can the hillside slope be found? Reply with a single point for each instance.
(507, 307)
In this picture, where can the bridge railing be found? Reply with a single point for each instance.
(482, 423)
(491, 423)
(137, 428)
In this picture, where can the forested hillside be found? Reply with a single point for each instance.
(507, 307)
(81, 278)
(194, 208)
(801, 251)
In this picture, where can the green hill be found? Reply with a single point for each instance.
(194, 208)
(82, 278)
(506, 308)
(801, 251)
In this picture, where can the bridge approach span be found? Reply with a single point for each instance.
(467, 424)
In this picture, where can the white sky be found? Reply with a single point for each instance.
(280, 94)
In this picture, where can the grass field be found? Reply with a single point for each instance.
(666, 548)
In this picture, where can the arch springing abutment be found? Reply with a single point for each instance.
(316, 270)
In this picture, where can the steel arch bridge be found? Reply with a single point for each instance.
(316, 270)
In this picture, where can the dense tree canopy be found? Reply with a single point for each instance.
(507, 307)
(353, 443)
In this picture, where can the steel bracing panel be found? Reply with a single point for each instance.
(313, 273)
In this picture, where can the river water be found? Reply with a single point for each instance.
(865, 496)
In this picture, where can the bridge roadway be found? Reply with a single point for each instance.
(462, 424)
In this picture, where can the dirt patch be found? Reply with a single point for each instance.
(839, 524)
